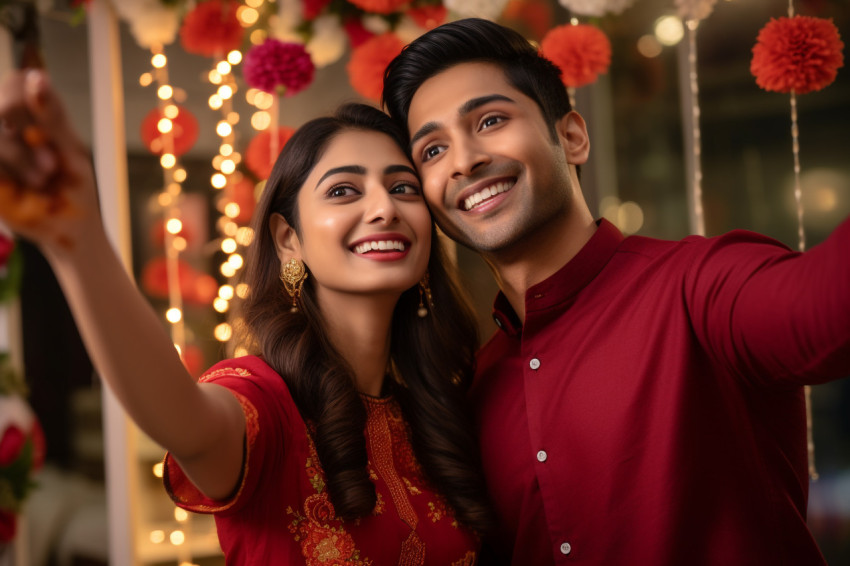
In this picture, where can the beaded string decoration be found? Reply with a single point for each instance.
(796, 55)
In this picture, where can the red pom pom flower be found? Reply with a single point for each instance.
(368, 62)
(379, 6)
(183, 133)
(800, 54)
(7, 246)
(278, 65)
(258, 156)
(212, 28)
(581, 51)
(312, 8)
(428, 16)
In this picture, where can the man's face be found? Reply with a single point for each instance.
(491, 172)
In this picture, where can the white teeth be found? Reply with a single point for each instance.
(484, 194)
(382, 245)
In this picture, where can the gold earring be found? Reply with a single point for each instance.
(293, 273)
(424, 295)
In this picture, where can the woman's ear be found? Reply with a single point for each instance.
(572, 132)
(286, 241)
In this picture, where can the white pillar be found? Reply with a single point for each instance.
(110, 160)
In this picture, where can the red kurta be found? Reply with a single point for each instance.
(281, 513)
(650, 410)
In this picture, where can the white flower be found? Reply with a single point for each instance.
(595, 8)
(151, 22)
(375, 23)
(487, 9)
(407, 30)
(328, 42)
(695, 9)
(15, 411)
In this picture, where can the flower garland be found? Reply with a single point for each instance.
(278, 67)
(21, 438)
(367, 63)
(212, 28)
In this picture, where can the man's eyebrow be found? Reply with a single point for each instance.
(464, 109)
(357, 169)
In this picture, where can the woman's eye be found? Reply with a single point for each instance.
(336, 192)
(405, 189)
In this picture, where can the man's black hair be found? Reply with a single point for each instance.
(475, 40)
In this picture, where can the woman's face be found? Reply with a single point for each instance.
(364, 226)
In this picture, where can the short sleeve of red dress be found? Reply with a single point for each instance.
(270, 417)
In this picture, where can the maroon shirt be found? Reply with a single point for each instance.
(650, 410)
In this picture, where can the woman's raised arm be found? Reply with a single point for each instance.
(48, 195)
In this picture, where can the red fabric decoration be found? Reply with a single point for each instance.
(11, 444)
(357, 32)
(428, 17)
(312, 8)
(7, 245)
(278, 64)
(581, 51)
(212, 28)
(8, 526)
(368, 62)
(242, 193)
(379, 6)
(802, 54)
(258, 158)
(184, 132)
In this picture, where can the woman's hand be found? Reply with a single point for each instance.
(47, 188)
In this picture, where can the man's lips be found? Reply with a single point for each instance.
(481, 194)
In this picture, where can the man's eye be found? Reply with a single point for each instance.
(431, 152)
(491, 121)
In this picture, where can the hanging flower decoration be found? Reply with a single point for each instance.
(7, 246)
(357, 32)
(152, 22)
(278, 67)
(312, 8)
(695, 9)
(800, 54)
(534, 15)
(258, 158)
(212, 28)
(596, 8)
(196, 288)
(380, 6)
(487, 9)
(368, 62)
(22, 449)
(328, 44)
(428, 16)
(581, 51)
(184, 131)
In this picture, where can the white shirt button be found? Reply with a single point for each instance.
(566, 548)
(534, 363)
(541, 456)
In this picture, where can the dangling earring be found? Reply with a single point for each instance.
(424, 295)
(293, 274)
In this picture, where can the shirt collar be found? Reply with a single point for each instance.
(565, 282)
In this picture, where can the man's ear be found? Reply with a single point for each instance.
(572, 132)
(286, 241)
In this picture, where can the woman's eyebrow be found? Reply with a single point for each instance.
(357, 169)
(399, 169)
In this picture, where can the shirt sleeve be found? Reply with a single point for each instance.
(267, 407)
(771, 315)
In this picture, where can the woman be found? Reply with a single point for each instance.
(345, 440)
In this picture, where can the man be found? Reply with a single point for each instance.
(642, 402)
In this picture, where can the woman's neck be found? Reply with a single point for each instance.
(359, 328)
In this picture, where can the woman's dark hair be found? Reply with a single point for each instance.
(433, 355)
(475, 40)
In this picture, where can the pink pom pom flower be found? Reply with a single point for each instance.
(278, 67)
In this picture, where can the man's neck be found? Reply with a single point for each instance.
(539, 256)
